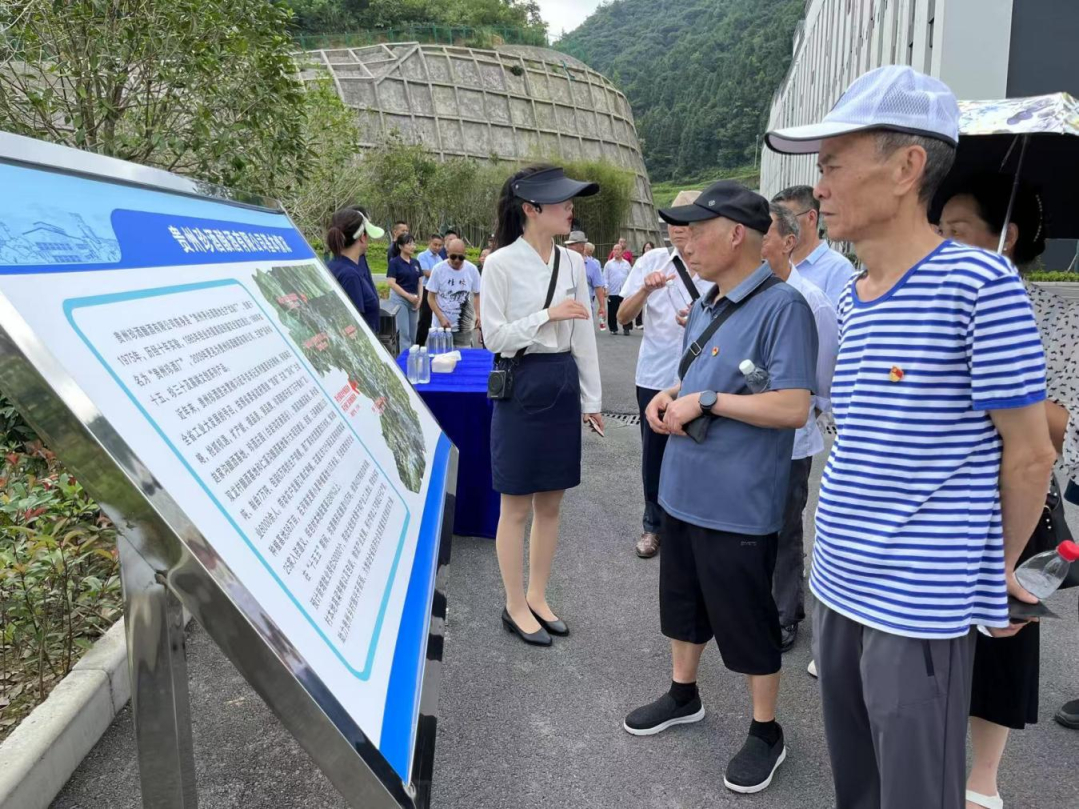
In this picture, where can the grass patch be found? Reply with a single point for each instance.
(663, 193)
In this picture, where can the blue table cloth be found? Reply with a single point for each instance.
(459, 402)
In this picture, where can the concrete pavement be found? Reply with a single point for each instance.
(523, 727)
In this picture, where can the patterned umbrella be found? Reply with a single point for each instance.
(1036, 138)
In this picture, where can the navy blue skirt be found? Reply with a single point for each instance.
(536, 434)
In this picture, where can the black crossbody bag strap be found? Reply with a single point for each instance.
(546, 303)
(683, 273)
(697, 346)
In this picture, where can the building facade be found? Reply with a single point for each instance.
(982, 49)
(515, 102)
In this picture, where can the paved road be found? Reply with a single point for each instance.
(522, 727)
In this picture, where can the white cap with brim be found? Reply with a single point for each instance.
(895, 97)
(373, 231)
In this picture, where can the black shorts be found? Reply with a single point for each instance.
(719, 584)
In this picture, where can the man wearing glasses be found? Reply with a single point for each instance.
(815, 261)
(454, 293)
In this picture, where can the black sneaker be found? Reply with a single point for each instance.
(1068, 715)
(657, 716)
(752, 769)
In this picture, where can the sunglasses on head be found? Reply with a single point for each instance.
(456, 257)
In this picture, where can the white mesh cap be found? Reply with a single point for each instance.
(894, 97)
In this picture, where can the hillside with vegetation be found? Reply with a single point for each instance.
(699, 75)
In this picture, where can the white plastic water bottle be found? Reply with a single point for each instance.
(424, 366)
(432, 342)
(413, 364)
(1041, 575)
(444, 341)
(757, 379)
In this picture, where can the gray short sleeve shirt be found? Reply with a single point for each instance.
(736, 480)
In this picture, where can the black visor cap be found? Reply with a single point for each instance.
(552, 186)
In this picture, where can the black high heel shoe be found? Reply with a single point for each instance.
(555, 627)
(537, 638)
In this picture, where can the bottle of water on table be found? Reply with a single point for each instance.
(757, 379)
(413, 364)
(432, 341)
(424, 367)
(1042, 574)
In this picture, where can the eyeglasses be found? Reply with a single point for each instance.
(807, 210)
(455, 257)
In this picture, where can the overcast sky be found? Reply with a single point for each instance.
(563, 16)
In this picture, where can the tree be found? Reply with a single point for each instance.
(344, 16)
(201, 87)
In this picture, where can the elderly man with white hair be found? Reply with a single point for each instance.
(660, 286)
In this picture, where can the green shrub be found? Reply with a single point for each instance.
(1054, 277)
(604, 215)
(59, 577)
(403, 181)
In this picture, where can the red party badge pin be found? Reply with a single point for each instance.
(715, 351)
(896, 374)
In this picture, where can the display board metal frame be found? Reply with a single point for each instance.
(166, 562)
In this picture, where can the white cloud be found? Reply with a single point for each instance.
(562, 16)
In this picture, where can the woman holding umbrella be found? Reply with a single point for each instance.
(1005, 688)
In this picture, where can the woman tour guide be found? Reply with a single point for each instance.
(405, 278)
(348, 237)
(534, 292)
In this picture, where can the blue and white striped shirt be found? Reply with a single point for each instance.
(909, 534)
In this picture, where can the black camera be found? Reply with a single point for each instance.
(500, 384)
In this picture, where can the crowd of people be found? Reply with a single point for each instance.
(949, 382)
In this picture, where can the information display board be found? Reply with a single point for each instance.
(219, 348)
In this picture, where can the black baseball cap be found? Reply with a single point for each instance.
(551, 186)
(725, 198)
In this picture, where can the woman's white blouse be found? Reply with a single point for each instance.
(513, 291)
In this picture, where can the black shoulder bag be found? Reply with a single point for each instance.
(500, 382)
(698, 428)
(683, 273)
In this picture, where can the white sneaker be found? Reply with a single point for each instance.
(812, 668)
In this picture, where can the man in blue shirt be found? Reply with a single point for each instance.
(938, 474)
(429, 259)
(724, 491)
(578, 243)
(816, 262)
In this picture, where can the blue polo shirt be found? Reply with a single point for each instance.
(736, 480)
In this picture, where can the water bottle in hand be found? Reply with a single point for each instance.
(413, 364)
(1041, 575)
(757, 379)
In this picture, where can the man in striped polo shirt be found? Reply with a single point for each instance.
(939, 471)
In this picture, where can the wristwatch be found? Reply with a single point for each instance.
(708, 400)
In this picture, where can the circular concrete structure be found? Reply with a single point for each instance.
(514, 103)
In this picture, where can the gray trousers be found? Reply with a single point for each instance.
(788, 584)
(895, 714)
